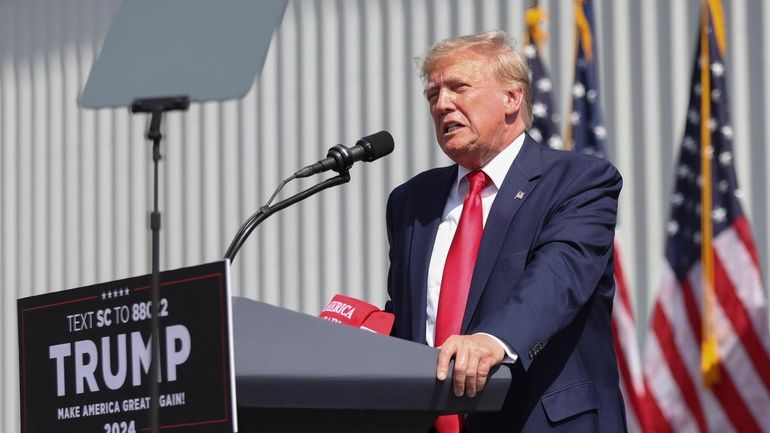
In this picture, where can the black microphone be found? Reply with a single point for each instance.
(341, 158)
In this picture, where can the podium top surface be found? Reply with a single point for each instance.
(285, 359)
(202, 49)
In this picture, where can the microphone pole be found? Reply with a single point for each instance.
(265, 211)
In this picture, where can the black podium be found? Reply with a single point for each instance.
(296, 373)
(228, 364)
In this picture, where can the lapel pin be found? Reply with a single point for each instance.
(519, 195)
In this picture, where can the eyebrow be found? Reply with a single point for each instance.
(431, 85)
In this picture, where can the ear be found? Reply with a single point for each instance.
(513, 100)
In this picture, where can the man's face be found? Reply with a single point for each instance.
(469, 107)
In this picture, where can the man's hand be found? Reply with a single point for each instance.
(474, 356)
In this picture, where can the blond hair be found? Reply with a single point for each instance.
(511, 68)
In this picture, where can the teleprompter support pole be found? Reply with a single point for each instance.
(156, 107)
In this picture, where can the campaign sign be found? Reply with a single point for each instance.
(85, 356)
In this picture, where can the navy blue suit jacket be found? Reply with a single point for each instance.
(543, 283)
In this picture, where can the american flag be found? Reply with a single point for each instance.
(588, 135)
(545, 126)
(714, 261)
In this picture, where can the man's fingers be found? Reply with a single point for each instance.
(482, 373)
(474, 356)
(447, 351)
(460, 369)
(471, 381)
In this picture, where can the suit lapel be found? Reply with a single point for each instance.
(428, 213)
(519, 182)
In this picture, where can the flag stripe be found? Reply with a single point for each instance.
(739, 319)
(735, 407)
(688, 345)
(753, 396)
(631, 395)
(692, 303)
(735, 252)
(655, 421)
(741, 227)
(726, 392)
(632, 421)
(672, 301)
(661, 385)
(677, 366)
(620, 279)
(624, 334)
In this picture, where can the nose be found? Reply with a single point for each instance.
(444, 101)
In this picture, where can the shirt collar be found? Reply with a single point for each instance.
(498, 167)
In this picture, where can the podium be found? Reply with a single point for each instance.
(296, 373)
(228, 363)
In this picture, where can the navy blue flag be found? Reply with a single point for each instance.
(586, 123)
(545, 126)
(588, 135)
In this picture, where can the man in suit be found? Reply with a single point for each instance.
(506, 256)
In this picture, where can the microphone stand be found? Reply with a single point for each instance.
(265, 211)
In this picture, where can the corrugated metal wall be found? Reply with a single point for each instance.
(75, 184)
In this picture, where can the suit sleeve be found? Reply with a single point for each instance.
(570, 262)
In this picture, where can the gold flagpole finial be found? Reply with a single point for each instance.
(534, 19)
(584, 30)
(718, 17)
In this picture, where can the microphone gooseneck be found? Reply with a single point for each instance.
(339, 158)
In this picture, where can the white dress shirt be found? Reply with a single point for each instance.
(496, 169)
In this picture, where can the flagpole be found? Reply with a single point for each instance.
(568, 133)
(709, 344)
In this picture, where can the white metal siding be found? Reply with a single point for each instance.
(75, 185)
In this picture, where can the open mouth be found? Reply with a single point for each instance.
(451, 127)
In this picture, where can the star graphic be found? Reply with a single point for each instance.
(555, 142)
(578, 91)
(530, 51)
(591, 95)
(718, 69)
(723, 185)
(689, 144)
(719, 214)
(693, 116)
(677, 199)
(536, 134)
(539, 109)
(672, 228)
(683, 171)
(544, 84)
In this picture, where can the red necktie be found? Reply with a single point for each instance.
(456, 279)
